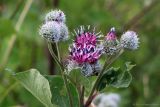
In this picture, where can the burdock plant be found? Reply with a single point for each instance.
(82, 75)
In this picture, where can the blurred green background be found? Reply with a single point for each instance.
(21, 47)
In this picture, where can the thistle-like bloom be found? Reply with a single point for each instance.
(85, 49)
(111, 43)
(54, 31)
(56, 15)
(50, 31)
(86, 54)
(129, 40)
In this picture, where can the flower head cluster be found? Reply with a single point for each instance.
(54, 29)
(87, 47)
(85, 50)
(129, 40)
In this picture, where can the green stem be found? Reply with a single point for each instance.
(54, 55)
(82, 97)
(106, 66)
(61, 72)
(80, 92)
(58, 54)
(70, 79)
(67, 87)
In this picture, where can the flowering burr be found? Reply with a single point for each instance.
(50, 31)
(54, 29)
(85, 50)
(111, 42)
(56, 15)
(129, 40)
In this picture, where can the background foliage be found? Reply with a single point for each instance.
(29, 50)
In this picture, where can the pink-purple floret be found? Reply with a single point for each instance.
(111, 36)
(84, 49)
(86, 39)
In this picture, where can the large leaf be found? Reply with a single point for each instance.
(38, 85)
(59, 92)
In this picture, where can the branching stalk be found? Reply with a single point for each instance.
(106, 66)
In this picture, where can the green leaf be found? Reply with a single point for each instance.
(108, 78)
(129, 66)
(59, 93)
(38, 85)
(115, 77)
(123, 81)
(6, 27)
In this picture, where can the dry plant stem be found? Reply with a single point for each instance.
(106, 66)
(18, 5)
(14, 36)
(61, 72)
(131, 23)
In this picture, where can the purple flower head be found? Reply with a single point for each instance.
(111, 36)
(85, 48)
